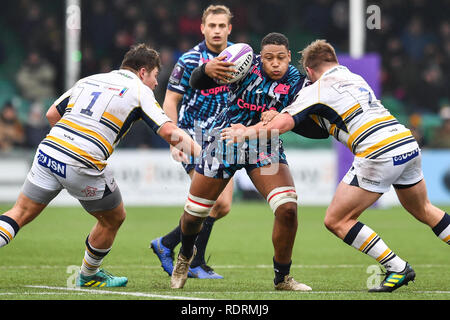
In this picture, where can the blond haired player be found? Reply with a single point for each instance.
(198, 110)
(88, 122)
(342, 104)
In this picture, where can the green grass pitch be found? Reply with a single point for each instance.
(35, 264)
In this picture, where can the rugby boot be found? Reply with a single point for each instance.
(394, 280)
(164, 254)
(101, 279)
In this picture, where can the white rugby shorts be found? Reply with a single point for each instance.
(377, 175)
(82, 183)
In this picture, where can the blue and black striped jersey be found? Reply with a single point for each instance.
(199, 106)
(257, 93)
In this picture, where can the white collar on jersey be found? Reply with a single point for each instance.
(333, 69)
(126, 73)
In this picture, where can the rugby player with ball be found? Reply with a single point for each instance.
(270, 83)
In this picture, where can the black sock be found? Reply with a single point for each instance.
(172, 239)
(442, 229)
(202, 241)
(187, 244)
(281, 270)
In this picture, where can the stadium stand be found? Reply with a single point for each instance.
(413, 41)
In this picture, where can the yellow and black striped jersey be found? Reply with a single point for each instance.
(343, 104)
(98, 111)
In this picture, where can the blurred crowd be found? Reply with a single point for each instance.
(413, 41)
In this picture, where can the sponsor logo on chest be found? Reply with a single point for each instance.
(253, 107)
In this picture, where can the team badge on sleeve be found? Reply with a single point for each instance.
(176, 75)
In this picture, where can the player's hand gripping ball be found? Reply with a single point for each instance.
(241, 54)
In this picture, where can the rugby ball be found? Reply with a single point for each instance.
(241, 54)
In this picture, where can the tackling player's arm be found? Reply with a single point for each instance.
(57, 109)
(53, 115)
(170, 107)
(203, 76)
(281, 123)
(157, 119)
(179, 139)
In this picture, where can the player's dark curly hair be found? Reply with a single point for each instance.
(275, 38)
(141, 56)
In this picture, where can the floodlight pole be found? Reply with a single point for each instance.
(357, 28)
(72, 46)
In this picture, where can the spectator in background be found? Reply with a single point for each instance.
(415, 38)
(90, 63)
(340, 20)
(189, 21)
(100, 25)
(123, 40)
(441, 137)
(398, 75)
(36, 127)
(318, 16)
(167, 62)
(32, 22)
(141, 32)
(161, 20)
(52, 48)
(36, 78)
(429, 90)
(11, 130)
(271, 16)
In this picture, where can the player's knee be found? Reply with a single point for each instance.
(283, 196)
(335, 225)
(121, 218)
(330, 223)
(113, 219)
(426, 214)
(24, 210)
(220, 209)
(198, 207)
(287, 213)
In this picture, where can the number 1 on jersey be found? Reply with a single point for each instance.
(88, 111)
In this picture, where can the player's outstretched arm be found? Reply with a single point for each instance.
(170, 107)
(281, 123)
(205, 76)
(57, 109)
(179, 139)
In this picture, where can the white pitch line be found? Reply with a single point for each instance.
(38, 293)
(308, 292)
(142, 294)
(134, 294)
